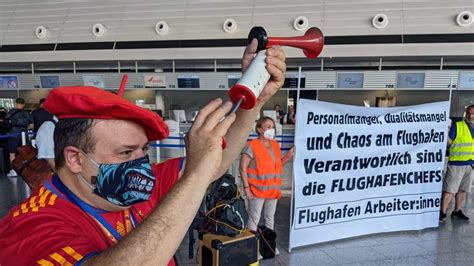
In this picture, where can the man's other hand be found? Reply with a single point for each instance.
(204, 140)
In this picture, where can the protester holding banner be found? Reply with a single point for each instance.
(460, 166)
(261, 167)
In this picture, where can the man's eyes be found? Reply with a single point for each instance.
(130, 151)
(127, 152)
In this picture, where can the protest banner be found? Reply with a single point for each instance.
(361, 170)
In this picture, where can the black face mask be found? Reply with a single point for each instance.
(124, 184)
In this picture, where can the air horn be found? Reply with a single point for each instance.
(248, 88)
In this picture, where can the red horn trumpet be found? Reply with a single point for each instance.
(248, 88)
(311, 42)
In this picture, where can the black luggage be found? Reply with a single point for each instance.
(267, 245)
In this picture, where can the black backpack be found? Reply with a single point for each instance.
(226, 212)
(222, 211)
(7, 123)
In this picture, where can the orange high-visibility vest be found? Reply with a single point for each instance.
(265, 180)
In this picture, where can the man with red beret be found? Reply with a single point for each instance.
(107, 204)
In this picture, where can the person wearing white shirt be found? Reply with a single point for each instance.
(45, 141)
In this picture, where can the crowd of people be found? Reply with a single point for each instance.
(285, 118)
(15, 122)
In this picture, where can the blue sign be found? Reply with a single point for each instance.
(94, 80)
(8, 82)
(410, 80)
(49, 82)
(291, 80)
(232, 79)
(188, 81)
(466, 80)
(350, 80)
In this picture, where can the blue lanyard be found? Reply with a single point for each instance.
(84, 206)
(132, 217)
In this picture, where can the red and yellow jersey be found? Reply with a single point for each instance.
(55, 227)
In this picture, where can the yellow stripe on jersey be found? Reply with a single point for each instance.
(128, 221)
(45, 262)
(71, 252)
(24, 207)
(34, 206)
(32, 199)
(32, 203)
(60, 259)
(121, 228)
(52, 199)
(44, 196)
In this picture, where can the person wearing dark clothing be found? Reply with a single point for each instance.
(3, 113)
(40, 115)
(4, 160)
(20, 120)
(280, 114)
(291, 119)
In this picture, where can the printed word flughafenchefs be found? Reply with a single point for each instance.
(373, 182)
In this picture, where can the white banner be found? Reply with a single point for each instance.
(361, 170)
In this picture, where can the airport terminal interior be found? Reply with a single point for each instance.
(177, 56)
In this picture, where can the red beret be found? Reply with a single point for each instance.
(92, 102)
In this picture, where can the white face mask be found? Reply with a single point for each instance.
(269, 134)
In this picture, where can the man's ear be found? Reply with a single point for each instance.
(73, 159)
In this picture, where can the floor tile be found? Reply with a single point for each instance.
(354, 255)
(401, 250)
(445, 246)
(414, 261)
(456, 258)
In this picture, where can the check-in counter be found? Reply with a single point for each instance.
(174, 147)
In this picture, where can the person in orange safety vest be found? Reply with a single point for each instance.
(261, 169)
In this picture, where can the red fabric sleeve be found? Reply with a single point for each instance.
(167, 174)
(51, 242)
